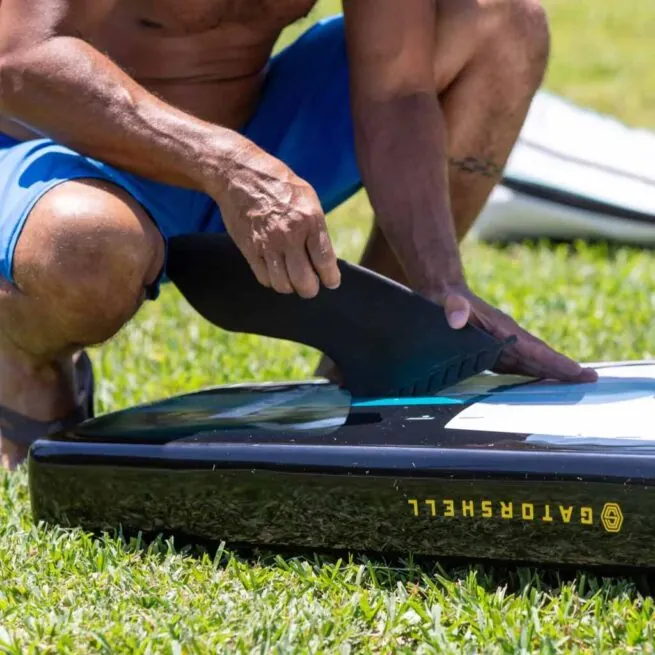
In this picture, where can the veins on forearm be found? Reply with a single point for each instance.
(477, 165)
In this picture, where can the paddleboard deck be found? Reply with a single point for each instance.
(496, 467)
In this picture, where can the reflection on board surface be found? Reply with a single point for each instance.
(618, 409)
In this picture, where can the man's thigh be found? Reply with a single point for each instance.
(29, 170)
(304, 116)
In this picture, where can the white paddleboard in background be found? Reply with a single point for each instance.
(574, 174)
(618, 409)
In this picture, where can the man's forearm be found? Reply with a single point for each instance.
(65, 89)
(401, 145)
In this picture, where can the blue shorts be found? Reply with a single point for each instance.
(303, 118)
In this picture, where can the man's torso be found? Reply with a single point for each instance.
(207, 57)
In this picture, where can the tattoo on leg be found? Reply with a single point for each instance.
(484, 167)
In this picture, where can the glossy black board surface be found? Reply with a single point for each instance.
(306, 466)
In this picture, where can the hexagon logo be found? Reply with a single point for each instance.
(612, 517)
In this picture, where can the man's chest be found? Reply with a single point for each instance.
(186, 17)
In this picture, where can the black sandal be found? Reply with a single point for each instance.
(23, 430)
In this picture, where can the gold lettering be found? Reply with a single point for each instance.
(586, 516)
(566, 513)
(506, 510)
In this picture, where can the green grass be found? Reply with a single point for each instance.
(66, 592)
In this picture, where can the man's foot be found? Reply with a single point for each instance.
(37, 401)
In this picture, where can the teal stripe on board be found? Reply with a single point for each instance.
(407, 402)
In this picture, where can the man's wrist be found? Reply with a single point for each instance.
(220, 157)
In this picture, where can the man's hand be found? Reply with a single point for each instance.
(276, 220)
(528, 356)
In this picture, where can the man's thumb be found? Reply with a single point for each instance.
(458, 311)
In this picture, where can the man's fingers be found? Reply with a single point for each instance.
(258, 267)
(458, 311)
(556, 366)
(301, 274)
(277, 272)
(549, 362)
(588, 375)
(537, 359)
(528, 355)
(324, 259)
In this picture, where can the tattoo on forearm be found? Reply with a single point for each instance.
(483, 167)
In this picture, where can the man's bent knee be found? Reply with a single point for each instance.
(84, 259)
(521, 33)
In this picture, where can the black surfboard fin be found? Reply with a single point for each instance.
(385, 339)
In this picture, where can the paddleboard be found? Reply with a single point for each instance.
(496, 467)
(574, 174)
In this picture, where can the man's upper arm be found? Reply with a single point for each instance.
(24, 23)
(390, 47)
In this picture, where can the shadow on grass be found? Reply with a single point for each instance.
(386, 572)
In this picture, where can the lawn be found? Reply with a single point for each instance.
(65, 592)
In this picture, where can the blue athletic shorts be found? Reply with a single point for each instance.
(303, 119)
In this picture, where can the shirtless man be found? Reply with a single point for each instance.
(125, 122)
